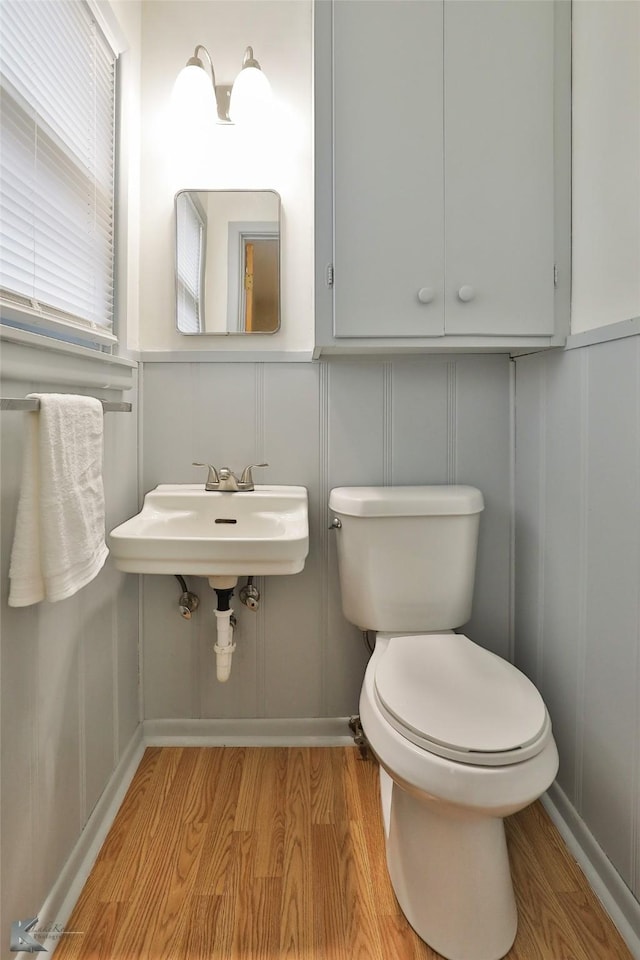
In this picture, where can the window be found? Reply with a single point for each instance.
(57, 84)
(191, 222)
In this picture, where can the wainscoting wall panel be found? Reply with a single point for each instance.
(577, 571)
(340, 421)
(69, 670)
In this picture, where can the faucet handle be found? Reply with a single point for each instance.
(247, 479)
(212, 476)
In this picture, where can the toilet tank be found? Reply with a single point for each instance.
(407, 555)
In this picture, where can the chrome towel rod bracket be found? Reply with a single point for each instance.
(33, 404)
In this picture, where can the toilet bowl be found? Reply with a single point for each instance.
(463, 740)
(462, 737)
(443, 816)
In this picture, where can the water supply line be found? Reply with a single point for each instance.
(188, 601)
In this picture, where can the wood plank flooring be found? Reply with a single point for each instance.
(254, 853)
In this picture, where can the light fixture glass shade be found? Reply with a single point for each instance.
(193, 99)
(251, 98)
(191, 135)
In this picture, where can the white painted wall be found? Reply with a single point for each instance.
(606, 163)
(128, 16)
(281, 34)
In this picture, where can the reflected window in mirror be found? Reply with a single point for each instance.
(227, 262)
(191, 233)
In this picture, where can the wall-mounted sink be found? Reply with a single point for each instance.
(184, 529)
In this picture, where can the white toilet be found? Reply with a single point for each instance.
(463, 738)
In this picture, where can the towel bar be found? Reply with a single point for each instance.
(33, 404)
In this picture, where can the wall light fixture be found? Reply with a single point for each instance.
(197, 96)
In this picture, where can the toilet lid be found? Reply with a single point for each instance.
(458, 700)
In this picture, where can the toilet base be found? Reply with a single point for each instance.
(450, 872)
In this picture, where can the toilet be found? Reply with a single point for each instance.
(462, 737)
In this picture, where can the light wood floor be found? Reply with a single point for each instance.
(264, 853)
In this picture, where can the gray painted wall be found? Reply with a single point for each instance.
(419, 420)
(577, 575)
(69, 679)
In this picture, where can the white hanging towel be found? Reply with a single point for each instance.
(59, 542)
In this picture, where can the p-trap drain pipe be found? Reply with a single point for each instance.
(224, 645)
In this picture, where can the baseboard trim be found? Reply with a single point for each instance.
(259, 732)
(615, 896)
(63, 895)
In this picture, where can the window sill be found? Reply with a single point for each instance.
(31, 358)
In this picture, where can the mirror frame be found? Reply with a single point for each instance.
(235, 258)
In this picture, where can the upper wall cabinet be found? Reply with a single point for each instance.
(442, 158)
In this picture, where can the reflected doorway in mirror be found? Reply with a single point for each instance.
(253, 283)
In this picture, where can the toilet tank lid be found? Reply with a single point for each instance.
(419, 501)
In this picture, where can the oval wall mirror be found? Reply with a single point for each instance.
(227, 262)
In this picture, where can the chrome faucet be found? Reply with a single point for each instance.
(246, 478)
(213, 479)
(224, 480)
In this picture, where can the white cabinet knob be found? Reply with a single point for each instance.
(426, 294)
(466, 293)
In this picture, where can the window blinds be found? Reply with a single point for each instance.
(57, 87)
(190, 227)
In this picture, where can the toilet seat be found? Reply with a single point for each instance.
(457, 700)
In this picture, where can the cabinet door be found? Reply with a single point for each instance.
(499, 170)
(388, 168)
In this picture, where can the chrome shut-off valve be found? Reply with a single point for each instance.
(187, 603)
(250, 595)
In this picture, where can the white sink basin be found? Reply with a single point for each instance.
(184, 529)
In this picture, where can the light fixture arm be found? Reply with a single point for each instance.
(222, 92)
(195, 61)
(249, 60)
